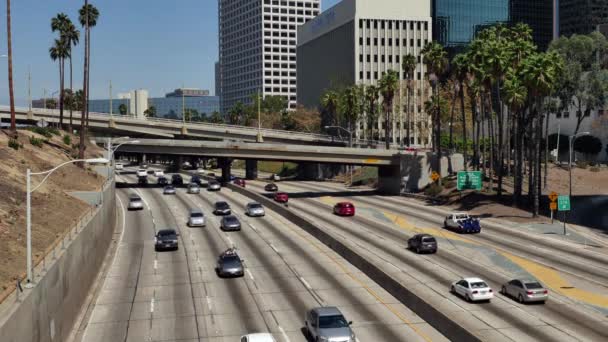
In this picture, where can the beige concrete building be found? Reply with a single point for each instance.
(356, 42)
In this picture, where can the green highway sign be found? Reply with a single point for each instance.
(469, 180)
(563, 203)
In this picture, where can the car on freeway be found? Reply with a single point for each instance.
(229, 264)
(472, 289)
(344, 209)
(525, 290)
(166, 239)
(135, 202)
(194, 188)
(271, 187)
(119, 166)
(232, 177)
(144, 166)
(159, 173)
(196, 218)
(222, 208)
(141, 172)
(177, 180)
(258, 337)
(328, 324)
(169, 190)
(422, 243)
(162, 181)
(240, 182)
(213, 185)
(196, 179)
(142, 180)
(462, 223)
(201, 171)
(230, 223)
(281, 197)
(254, 209)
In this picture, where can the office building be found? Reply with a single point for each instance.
(188, 92)
(581, 16)
(218, 80)
(456, 22)
(356, 42)
(257, 47)
(603, 29)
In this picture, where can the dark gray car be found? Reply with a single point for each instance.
(230, 223)
(422, 243)
(166, 239)
(221, 208)
(229, 264)
(328, 324)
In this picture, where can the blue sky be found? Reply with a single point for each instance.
(156, 45)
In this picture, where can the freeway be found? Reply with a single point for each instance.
(576, 276)
(170, 296)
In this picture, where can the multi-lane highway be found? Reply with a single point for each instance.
(576, 275)
(176, 295)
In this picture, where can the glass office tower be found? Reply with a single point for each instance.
(455, 22)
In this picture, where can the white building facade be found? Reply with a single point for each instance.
(356, 42)
(594, 122)
(257, 47)
(137, 102)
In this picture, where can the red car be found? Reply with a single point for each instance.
(344, 209)
(281, 197)
(240, 182)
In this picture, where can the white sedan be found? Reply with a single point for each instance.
(142, 173)
(158, 173)
(472, 289)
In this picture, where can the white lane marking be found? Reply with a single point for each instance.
(284, 334)
(305, 283)
(274, 248)
(229, 240)
(155, 264)
(252, 227)
(152, 305)
(249, 274)
(209, 303)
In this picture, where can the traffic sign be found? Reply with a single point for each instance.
(553, 196)
(553, 206)
(563, 203)
(435, 176)
(469, 180)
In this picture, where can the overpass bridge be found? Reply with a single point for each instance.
(165, 128)
(392, 165)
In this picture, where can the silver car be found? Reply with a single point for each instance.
(229, 264)
(213, 186)
(255, 209)
(328, 324)
(193, 188)
(169, 190)
(230, 223)
(525, 290)
(196, 218)
(135, 203)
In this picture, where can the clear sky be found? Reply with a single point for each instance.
(152, 44)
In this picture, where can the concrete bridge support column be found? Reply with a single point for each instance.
(225, 165)
(389, 180)
(309, 171)
(251, 169)
(140, 159)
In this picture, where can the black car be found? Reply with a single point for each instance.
(222, 208)
(177, 180)
(196, 179)
(422, 243)
(162, 181)
(142, 180)
(271, 187)
(166, 239)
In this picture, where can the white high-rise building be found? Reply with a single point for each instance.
(257, 47)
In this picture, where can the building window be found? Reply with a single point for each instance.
(383, 42)
(369, 75)
(375, 58)
(368, 41)
(566, 115)
(360, 58)
(360, 75)
(383, 58)
(360, 40)
(375, 41)
(558, 115)
(368, 58)
(375, 75)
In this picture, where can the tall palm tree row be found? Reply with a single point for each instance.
(408, 65)
(10, 67)
(388, 85)
(371, 109)
(59, 52)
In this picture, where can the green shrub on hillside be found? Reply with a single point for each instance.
(14, 144)
(67, 140)
(36, 142)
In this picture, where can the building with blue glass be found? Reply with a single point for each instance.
(456, 22)
(165, 106)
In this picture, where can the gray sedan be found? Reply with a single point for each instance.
(169, 190)
(525, 290)
(193, 188)
(229, 265)
(328, 324)
(255, 209)
(230, 223)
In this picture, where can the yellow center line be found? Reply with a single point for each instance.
(544, 274)
(360, 282)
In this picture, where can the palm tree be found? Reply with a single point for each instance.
(88, 16)
(371, 99)
(350, 107)
(388, 86)
(61, 23)
(435, 57)
(10, 68)
(330, 101)
(460, 69)
(72, 37)
(409, 65)
(59, 52)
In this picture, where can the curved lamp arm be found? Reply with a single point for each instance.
(49, 172)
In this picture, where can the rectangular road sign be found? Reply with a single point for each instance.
(553, 206)
(469, 180)
(563, 203)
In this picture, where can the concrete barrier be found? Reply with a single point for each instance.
(434, 317)
(63, 279)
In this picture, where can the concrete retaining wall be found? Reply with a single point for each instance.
(435, 318)
(49, 310)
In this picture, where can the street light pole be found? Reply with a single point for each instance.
(28, 210)
(259, 137)
(29, 88)
(110, 99)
